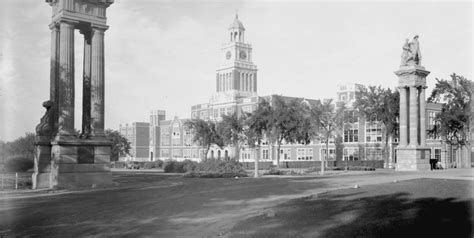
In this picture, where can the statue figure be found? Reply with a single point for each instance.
(405, 53)
(411, 52)
(45, 128)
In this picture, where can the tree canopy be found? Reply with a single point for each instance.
(455, 116)
(204, 134)
(120, 144)
(377, 104)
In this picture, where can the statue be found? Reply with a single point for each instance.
(411, 54)
(44, 128)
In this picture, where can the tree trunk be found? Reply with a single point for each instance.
(256, 163)
(278, 154)
(237, 151)
(206, 152)
(327, 155)
(386, 149)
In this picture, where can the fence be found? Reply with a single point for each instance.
(15, 181)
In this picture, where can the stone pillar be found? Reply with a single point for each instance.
(97, 82)
(54, 75)
(413, 116)
(66, 80)
(403, 117)
(86, 88)
(422, 117)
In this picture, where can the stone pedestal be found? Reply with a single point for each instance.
(73, 163)
(412, 159)
(412, 153)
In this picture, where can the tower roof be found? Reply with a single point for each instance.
(237, 24)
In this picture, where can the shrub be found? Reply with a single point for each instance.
(220, 166)
(172, 166)
(19, 163)
(214, 175)
(274, 171)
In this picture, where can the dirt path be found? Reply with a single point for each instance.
(157, 205)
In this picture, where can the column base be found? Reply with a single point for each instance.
(73, 164)
(412, 158)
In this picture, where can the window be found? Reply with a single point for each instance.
(194, 153)
(433, 124)
(373, 132)
(332, 154)
(351, 154)
(351, 133)
(437, 154)
(176, 153)
(373, 154)
(285, 154)
(221, 111)
(264, 153)
(187, 154)
(165, 136)
(165, 153)
(304, 154)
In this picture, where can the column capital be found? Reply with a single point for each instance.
(67, 22)
(54, 26)
(99, 28)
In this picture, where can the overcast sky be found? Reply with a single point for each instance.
(164, 54)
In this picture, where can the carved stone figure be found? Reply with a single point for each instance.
(44, 128)
(411, 52)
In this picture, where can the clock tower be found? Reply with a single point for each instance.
(236, 76)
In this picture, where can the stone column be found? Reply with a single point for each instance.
(66, 79)
(97, 82)
(422, 116)
(413, 116)
(403, 116)
(86, 88)
(54, 75)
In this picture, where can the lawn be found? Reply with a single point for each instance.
(412, 208)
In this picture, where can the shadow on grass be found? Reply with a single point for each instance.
(394, 215)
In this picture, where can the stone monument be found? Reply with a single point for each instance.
(412, 152)
(63, 158)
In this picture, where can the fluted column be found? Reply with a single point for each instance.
(54, 75)
(66, 80)
(422, 117)
(97, 82)
(86, 88)
(413, 116)
(403, 116)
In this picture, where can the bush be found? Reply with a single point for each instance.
(221, 166)
(274, 171)
(19, 164)
(172, 166)
(354, 168)
(214, 175)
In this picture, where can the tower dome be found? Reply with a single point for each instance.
(237, 24)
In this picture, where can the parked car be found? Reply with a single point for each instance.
(133, 165)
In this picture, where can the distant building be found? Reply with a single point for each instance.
(138, 134)
(236, 92)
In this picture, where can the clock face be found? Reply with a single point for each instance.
(228, 55)
(243, 55)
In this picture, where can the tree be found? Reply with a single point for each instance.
(456, 114)
(231, 130)
(205, 134)
(120, 144)
(22, 146)
(255, 127)
(327, 120)
(377, 104)
(288, 122)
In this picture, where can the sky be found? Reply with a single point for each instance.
(164, 54)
